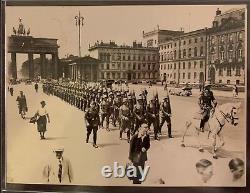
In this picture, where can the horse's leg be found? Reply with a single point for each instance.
(221, 139)
(199, 141)
(214, 146)
(188, 124)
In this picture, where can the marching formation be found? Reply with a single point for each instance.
(120, 107)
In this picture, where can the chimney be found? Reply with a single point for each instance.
(218, 12)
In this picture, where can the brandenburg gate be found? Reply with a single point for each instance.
(22, 42)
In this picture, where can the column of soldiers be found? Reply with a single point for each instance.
(103, 105)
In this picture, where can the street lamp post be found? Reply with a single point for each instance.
(79, 22)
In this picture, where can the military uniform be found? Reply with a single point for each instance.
(92, 122)
(165, 113)
(105, 112)
(153, 117)
(139, 113)
(126, 119)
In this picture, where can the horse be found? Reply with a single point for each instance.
(223, 113)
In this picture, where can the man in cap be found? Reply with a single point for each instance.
(126, 118)
(22, 104)
(117, 103)
(207, 104)
(92, 120)
(165, 113)
(59, 170)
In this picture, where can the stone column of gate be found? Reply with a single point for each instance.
(42, 65)
(13, 67)
(31, 66)
(55, 66)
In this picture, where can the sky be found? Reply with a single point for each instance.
(122, 24)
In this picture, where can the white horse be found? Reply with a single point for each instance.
(224, 113)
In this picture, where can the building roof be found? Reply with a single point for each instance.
(79, 60)
(163, 32)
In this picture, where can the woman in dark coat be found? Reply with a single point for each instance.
(42, 115)
(139, 145)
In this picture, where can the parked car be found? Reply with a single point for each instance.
(134, 82)
(184, 91)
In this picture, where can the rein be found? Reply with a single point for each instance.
(225, 116)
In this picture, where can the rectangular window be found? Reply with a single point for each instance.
(174, 65)
(201, 39)
(201, 64)
(228, 71)
(237, 71)
(220, 81)
(174, 75)
(183, 65)
(195, 75)
(228, 81)
(195, 64)
(195, 40)
(183, 75)
(189, 75)
(189, 65)
(107, 66)
(134, 64)
(124, 65)
(220, 71)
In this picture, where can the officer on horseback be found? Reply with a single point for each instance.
(207, 104)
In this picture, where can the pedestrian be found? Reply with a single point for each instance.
(139, 145)
(235, 91)
(59, 170)
(166, 87)
(42, 118)
(36, 87)
(22, 104)
(92, 121)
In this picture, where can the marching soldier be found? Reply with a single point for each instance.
(92, 122)
(116, 105)
(166, 115)
(207, 104)
(105, 111)
(139, 113)
(126, 118)
(153, 117)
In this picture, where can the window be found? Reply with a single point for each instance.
(161, 67)
(134, 58)
(175, 44)
(124, 65)
(189, 75)
(222, 54)
(123, 57)
(113, 75)
(183, 65)
(201, 39)
(143, 58)
(118, 65)
(108, 75)
(195, 64)
(161, 57)
(228, 81)
(195, 40)
(149, 58)
(189, 52)
(195, 75)
(183, 75)
(174, 75)
(153, 57)
(118, 75)
(129, 65)
(195, 52)
(184, 53)
(201, 51)
(189, 65)
(212, 40)
(189, 41)
(230, 54)
(107, 66)
(128, 57)
(201, 64)
(113, 57)
(139, 66)
(220, 81)
(165, 47)
(184, 42)
(139, 58)
(220, 71)
(102, 75)
(164, 66)
(134, 65)
(148, 66)
(175, 54)
(139, 75)
(168, 66)
(228, 71)
(113, 65)
(237, 70)
(174, 65)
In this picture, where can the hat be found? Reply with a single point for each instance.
(43, 102)
(58, 149)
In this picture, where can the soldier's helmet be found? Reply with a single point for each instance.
(124, 100)
(139, 98)
(207, 84)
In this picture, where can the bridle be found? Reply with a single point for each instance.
(229, 117)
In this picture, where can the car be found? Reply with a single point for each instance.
(184, 91)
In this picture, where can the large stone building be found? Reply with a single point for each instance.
(182, 58)
(226, 43)
(215, 54)
(155, 37)
(126, 62)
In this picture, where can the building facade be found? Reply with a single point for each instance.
(215, 54)
(226, 43)
(155, 37)
(183, 58)
(126, 62)
(78, 69)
